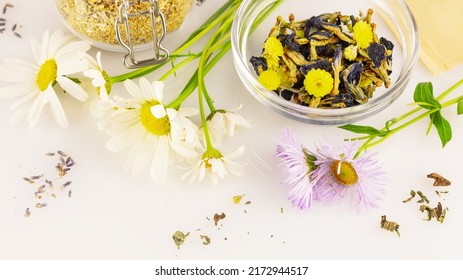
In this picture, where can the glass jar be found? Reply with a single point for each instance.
(95, 20)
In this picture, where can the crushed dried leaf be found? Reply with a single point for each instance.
(179, 238)
(390, 226)
(412, 195)
(437, 212)
(439, 180)
(218, 217)
(206, 239)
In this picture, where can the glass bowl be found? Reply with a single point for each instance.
(394, 21)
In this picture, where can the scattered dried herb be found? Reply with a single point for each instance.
(6, 6)
(206, 239)
(44, 187)
(218, 217)
(439, 193)
(281, 210)
(179, 238)
(248, 202)
(390, 226)
(326, 61)
(237, 198)
(437, 212)
(27, 213)
(412, 195)
(439, 180)
(423, 198)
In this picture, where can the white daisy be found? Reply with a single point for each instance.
(155, 136)
(216, 166)
(224, 123)
(99, 103)
(56, 56)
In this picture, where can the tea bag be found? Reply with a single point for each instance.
(441, 27)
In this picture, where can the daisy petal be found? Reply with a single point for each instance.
(72, 88)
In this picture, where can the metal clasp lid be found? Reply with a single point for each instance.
(154, 13)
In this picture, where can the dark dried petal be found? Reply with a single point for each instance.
(377, 53)
(319, 64)
(346, 98)
(386, 43)
(291, 43)
(355, 70)
(311, 26)
(286, 94)
(257, 62)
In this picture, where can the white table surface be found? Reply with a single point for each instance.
(113, 215)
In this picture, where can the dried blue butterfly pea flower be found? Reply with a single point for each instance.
(377, 53)
(258, 62)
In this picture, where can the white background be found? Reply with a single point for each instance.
(113, 215)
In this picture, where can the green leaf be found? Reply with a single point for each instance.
(443, 127)
(424, 97)
(460, 106)
(361, 129)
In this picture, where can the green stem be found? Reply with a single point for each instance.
(178, 66)
(202, 91)
(192, 83)
(368, 144)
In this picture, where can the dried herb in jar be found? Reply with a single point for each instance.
(326, 61)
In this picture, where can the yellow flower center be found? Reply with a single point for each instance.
(47, 74)
(318, 82)
(344, 172)
(157, 126)
(363, 34)
(269, 79)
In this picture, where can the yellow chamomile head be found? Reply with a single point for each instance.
(363, 34)
(318, 82)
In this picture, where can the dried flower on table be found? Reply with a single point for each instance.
(439, 180)
(439, 193)
(437, 212)
(40, 205)
(423, 198)
(218, 217)
(390, 226)
(27, 213)
(206, 239)
(327, 61)
(6, 6)
(412, 195)
(179, 238)
(237, 198)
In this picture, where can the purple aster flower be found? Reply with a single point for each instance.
(341, 176)
(330, 175)
(299, 164)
